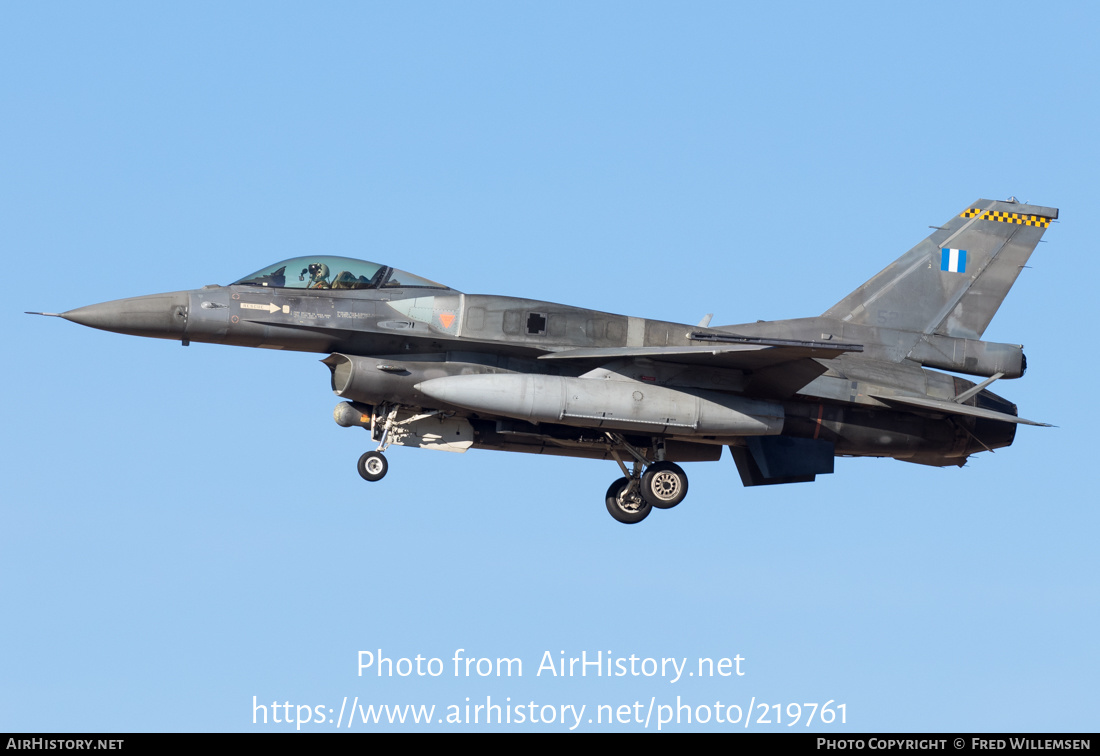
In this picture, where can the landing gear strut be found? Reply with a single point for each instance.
(631, 498)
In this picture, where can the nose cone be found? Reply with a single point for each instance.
(160, 316)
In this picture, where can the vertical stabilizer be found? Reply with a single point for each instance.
(952, 283)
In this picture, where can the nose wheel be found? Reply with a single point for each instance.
(373, 466)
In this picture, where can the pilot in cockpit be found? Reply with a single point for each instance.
(318, 276)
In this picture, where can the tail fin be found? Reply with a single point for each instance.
(953, 282)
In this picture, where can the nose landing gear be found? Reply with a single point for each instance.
(372, 465)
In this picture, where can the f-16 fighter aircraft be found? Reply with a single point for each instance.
(421, 364)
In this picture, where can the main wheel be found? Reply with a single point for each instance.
(664, 484)
(625, 504)
(373, 466)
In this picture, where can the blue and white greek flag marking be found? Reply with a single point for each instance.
(953, 260)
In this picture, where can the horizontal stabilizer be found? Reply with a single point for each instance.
(952, 408)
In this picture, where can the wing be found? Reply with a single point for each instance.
(777, 368)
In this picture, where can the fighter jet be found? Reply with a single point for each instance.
(421, 364)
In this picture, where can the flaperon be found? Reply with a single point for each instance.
(421, 364)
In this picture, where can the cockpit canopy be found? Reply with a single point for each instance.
(330, 272)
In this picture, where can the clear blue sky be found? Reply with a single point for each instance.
(183, 529)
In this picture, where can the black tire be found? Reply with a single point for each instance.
(624, 510)
(373, 466)
(664, 484)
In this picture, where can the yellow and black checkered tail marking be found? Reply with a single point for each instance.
(996, 215)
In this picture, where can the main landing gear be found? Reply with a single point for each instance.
(631, 498)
